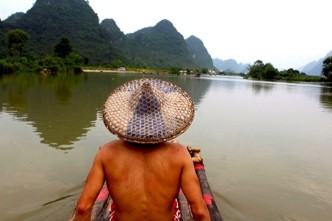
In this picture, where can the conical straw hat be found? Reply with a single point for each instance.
(148, 111)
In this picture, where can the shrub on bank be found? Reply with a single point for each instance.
(7, 68)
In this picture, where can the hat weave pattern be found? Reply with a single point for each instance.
(148, 111)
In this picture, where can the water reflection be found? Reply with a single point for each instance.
(63, 108)
(227, 82)
(261, 87)
(13, 91)
(17, 100)
(267, 149)
(43, 101)
(195, 87)
(326, 98)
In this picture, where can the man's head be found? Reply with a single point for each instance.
(148, 111)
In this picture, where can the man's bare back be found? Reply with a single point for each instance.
(143, 181)
(144, 173)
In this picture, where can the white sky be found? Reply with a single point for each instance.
(286, 33)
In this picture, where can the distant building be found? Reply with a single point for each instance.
(212, 72)
(183, 72)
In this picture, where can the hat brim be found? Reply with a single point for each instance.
(172, 115)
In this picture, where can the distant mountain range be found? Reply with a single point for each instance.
(230, 65)
(161, 46)
(315, 67)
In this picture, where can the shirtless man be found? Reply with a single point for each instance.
(145, 173)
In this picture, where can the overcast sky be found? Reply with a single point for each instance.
(286, 33)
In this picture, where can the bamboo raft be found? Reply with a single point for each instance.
(100, 211)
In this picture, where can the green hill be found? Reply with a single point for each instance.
(199, 53)
(161, 46)
(49, 20)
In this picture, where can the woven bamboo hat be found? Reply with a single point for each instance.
(148, 111)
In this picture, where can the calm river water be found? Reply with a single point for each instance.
(267, 146)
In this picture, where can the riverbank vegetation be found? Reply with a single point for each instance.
(327, 69)
(64, 58)
(17, 59)
(267, 71)
(67, 36)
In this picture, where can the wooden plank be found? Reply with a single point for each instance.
(207, 193)
(186, 214)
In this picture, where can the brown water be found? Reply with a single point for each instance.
(266, 146)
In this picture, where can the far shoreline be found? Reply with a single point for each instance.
(112, 71)
(123, 70)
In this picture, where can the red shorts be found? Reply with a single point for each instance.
(176, 212)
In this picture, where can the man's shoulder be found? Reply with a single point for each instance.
(175, 145)
(123, 146)
(177, 149)
(110, 146)
(112, 143)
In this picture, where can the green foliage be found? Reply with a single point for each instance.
(269, 72)
(158, 47)
(63, 48)
(117, 37)
(289, 74)
(16, 41)
(6, 68)
(117, 63)
(74, 60)
(14, 17)
(64, 58)
(205, 70)
(263, 71)
(49, 64)
(174, 70)
(103, 43)
(295, 75)
(327, 68)
(199, 53)
(48, 20)
(255, 70)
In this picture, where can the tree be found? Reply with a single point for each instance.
(259, 63)
(269, 72)
(262, 71)
(74, 60)
(205, 70)
(327, 68)
(16, 41)
(63, 48)
(254, 71)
